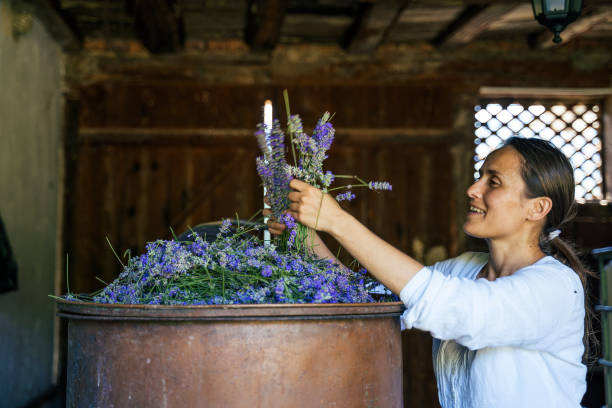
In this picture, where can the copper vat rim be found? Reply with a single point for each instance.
(267, 311)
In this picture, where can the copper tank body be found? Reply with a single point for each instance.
(332, 355)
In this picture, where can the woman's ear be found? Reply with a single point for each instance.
(539, 208)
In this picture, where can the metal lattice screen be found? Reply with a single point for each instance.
(575, 128)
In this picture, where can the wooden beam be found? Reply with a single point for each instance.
(228, 136)
(575, 29)
(564, 93)
(264, 22)
(158, 25)
(472, 21)
(372, 25)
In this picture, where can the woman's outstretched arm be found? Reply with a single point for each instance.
(320, 211)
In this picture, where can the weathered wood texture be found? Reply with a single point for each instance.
(191, 105)
(361, 26)
(473, 21)
(264, 23)
(372, 24)
(158, 25)
(134, 194)
(420, 389)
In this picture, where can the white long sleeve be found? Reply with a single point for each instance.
(529, 324)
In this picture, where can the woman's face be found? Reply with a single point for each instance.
(498, 204)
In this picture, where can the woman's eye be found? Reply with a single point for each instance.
(493, 182)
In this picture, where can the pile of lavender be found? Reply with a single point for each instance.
(236, 266)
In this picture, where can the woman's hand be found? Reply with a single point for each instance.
(320, 211)
(275, 227)
(313, 208)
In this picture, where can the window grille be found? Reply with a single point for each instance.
(575, 128)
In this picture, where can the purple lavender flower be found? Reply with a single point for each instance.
(324, 132)
(348, 196)
(288, 220)
(266, 271)
(262, 141)
(272, 168)
(312, 151)
(379, 185)
(225, 227)
(279, 290)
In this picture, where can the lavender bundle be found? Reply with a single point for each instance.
(307, 166)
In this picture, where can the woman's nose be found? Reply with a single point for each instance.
(474, 190)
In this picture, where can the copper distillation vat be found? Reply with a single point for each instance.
(270, 355)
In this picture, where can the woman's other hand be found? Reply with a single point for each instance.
(275, 227)
(313, 208)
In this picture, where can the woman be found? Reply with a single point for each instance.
(508, 325)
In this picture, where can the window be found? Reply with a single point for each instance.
(574, 127)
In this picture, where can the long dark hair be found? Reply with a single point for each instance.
(548, 173)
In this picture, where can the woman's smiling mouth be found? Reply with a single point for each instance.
(476, 210)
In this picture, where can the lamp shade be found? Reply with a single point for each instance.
(556, 14)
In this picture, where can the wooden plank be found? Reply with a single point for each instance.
(329, 29)
(222, 174)
(170, 136)
(541, 92)
(185, 104)
(372, 24)
(582, 25)
(86, 246)
(419, 383)
(192, 105)
(158, 26)
(264, 23)
(215, 23)
(244, 137)
(474, 20)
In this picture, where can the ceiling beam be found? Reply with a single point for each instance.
(158, 25)
(475, 19)
(372, 24)
(583, 24)
(264, 22)
(539, 92)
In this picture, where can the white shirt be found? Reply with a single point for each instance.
(512, 342)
